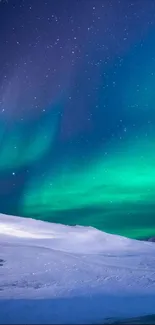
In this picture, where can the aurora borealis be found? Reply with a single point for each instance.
(77, 113)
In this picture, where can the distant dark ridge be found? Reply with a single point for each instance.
(150, 239)
(149, 319)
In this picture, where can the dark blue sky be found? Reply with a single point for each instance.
(76, 86)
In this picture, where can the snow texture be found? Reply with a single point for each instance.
(51, 273)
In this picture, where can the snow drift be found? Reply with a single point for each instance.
(51, 273)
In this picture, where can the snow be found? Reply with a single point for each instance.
(56, 274)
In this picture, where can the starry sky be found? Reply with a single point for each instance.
(77, 112)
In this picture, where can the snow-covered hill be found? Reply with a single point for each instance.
(51, 273)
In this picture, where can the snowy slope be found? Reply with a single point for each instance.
(51, 273)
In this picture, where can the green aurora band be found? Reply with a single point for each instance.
(111, 184)
(21, 147)
(114, 193)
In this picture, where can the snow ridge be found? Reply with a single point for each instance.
(72, 274)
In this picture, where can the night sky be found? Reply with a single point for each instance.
(77, 112)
